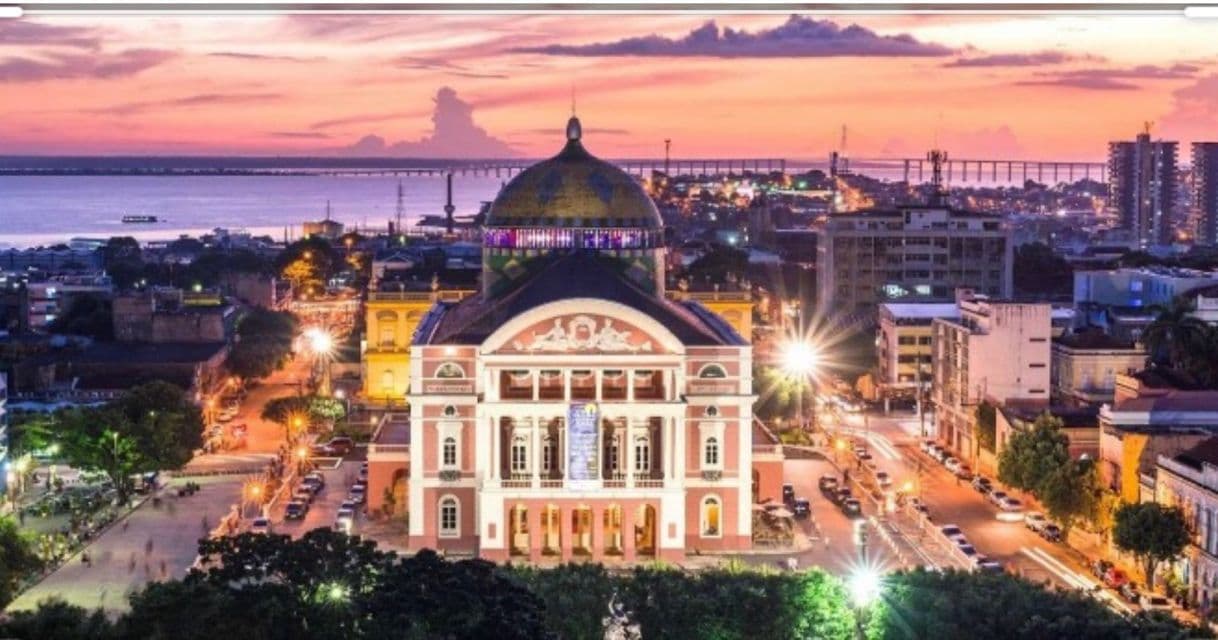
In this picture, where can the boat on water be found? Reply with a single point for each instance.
(139, 219)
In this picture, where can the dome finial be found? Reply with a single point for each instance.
(574, 131)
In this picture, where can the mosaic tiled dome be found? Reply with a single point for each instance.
(573, 189)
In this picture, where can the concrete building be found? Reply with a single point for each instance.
(1080, 425)
(997, 352)
(1189, 480)
(49, 299)
(905, 347)
(1085, 365)
(570, 408)
(1205, 191)
(1124, 301)
(1142, 188)
(910, 254)
(162, 317)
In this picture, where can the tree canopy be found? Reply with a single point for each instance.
(1033, 453)
(264, 342)
(1039, 270)
(1153, 533)
(1180, 340)
(17, 558)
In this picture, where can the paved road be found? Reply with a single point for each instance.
(325, 506)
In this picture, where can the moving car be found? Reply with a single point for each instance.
(986, 565)
(841, 495)
(1051, 532)
(788, 493)
(296, 510)
(342, 444)
(883, 479)
(344, 520)
(260, 526)
(1035, 521)
(826, 483)
(801, 508)
(852, 508)
(1115, 577)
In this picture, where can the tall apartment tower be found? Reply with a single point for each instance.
(1142, 187)
(1205, 190)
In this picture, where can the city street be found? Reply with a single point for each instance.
(324, 508)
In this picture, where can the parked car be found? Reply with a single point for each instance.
(917, 505)
(964, 472)
(342, 444)
(1154, 602)
(969, 553)
(358, 494)
(1115, 577)
(1100, 567)
(939, 453)
(1010, 505)
(952, 464)
(1051, 532)
(1034, 521)
(788, 493)
(323, 450)
(996, 497)
(826, 483)
(852, 508)
(296, 510)
(260, 526)
(801, 508)
(952, 532)
(344, 520)
(864, 456)
(303, 493)
(1129, 591)
(982, 485)
(926, 445)
(883, 479)
(986, 565)
(842, 494)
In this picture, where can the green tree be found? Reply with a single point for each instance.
(987, 425)
(55, 619)
(151, 427)
(1175, 334)
(576, 597)
(780, 395)
(87, 315)
(1070, 493)
(251, 359)
(1151, 532)
(1032, 454)
(264, 342)
(957, 605)
(17, 558)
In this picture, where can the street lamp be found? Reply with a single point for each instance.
(321, 344)
(302, 457)
(799, 358)
(864, 584)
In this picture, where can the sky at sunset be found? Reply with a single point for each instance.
(1033, 87)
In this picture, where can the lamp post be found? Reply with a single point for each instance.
(321, 345)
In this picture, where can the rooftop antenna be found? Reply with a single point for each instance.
(572, 99)
(1146, 127)
(327, 210)
(937, 157)
(667, 148)
(401, 208)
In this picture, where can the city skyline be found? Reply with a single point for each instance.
(1037, 87)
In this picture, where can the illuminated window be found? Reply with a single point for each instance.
(449, 452)
(449, 517)
(710, 517)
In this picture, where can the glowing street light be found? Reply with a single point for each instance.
(321, 344)
(864, 584)
(799, 358)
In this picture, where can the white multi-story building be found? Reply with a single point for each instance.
(996, 352)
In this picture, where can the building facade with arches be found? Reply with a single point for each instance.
(570, 408)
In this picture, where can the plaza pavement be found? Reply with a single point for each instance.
(152, 543)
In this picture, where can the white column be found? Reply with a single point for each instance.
(679, 451)
(496, 436)
(536, 374)
(597, 378)
(629, 385)
(670, 449)
(566, 385)
(630, 462)
(536, 453)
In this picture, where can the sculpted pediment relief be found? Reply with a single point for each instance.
(583, 333)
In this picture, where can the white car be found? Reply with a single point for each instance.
(344, 520)
(1154, 602)
(952, 464)
(1035, 521)
(1010, 505)
(986, 565)
(358, 494)
(261, 526)
(996, 497)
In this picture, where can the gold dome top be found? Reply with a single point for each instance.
(573, 189)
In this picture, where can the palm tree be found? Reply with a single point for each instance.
(1176, 337)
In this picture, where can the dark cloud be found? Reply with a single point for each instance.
(449, 68)
(1112, 79)
(798, 37)
(360, 119)
(1034, 59)
(91, 65)
(241, 55)
(196, 100)
(26, 32)
(299, 135)
(454, 135)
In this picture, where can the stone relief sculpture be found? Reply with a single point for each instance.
(582, 333)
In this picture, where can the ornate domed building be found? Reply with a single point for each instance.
(569, 407)
(572, 202)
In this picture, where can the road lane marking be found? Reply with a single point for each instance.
(1075, 579)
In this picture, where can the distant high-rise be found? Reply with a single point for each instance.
(1205, 190)
(1142, 187)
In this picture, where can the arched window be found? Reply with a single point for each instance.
(450, 511)
(450, 370)
(712, 371)
(387, 381)
(520, 454)
(642, 454)
(710, 517)
(449, 452)
(710, 456)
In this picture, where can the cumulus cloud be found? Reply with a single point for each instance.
(798, 37)
(1112, 79)
(66, 66)
(454, 135)
(1034, 59)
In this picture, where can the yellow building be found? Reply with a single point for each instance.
(735, 307)
(391, 318)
